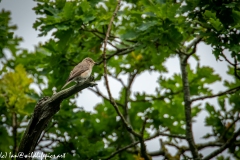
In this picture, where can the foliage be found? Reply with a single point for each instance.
(144, 35)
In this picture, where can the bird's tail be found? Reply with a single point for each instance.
(66, 84)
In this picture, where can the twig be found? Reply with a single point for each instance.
(235, 64)
(230, 91)
(157, 98)
(223, 147)
(127, 97)
(164, 149)
(128, 91)
(143, 126)
(118, 52)
(101, 95)
(235, 68)
(120, 150)
(118, 79)
(229, 127)
(223, 55)
(171, 135)
(194, 45)
(129, 146)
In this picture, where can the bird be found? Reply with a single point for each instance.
(80, 72)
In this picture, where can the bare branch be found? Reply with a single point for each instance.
(230, 91)
(43, 113)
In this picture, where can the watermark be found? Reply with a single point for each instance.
(38, 155)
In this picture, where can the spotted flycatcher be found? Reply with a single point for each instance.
(81, 72)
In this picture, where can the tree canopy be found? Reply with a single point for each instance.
(125, 38)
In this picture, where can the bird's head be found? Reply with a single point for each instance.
(90, 61)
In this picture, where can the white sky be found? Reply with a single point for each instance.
(24, 17)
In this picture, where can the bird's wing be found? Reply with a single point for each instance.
(78, 70)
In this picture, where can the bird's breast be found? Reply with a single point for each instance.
(86, 74)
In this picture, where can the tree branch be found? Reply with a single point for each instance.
(187, 105)
(97, 92)
(126, 99)
(130, 145)
(44, 110)
(223, 147)
(118, 52)
(171, 135)
(129, 128)
(125, 121)
(118, 79)
(230, 91)
(194, 45)
(162, 97)
(235, 68)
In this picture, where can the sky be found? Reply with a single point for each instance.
(23, 15)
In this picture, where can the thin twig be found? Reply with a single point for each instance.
(129, 146)
(194, 45)
(226, 59)
(171, 135)
(97, 92)
(229, 127)
(118, 52)
(118, 79)
(143, 126)
(157, 98)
